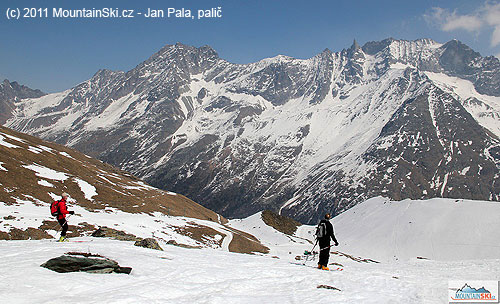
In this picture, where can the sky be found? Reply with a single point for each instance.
(54, 54)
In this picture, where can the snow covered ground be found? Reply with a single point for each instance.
(438, 229)
(179, 275)
(376, 229)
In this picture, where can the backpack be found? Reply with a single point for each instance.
(54, 208)
(321, 230)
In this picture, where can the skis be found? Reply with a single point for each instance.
(334, 268)
(71, 241)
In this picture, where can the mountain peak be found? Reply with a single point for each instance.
(355, 45)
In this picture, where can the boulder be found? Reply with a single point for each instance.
(76, 262)
(114, 234)
(148, 243)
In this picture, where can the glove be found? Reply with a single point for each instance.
(72, 212)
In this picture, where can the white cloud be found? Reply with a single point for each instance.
(485, 17)
(451, 21)
(465, 22)
(492, 17)
(495, 37)
(492, 13)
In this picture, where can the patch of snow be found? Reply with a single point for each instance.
(66, 154)
(445, 181)
(35, 150)
(112, 114)
(54, 197)
(45, 148)
(465, 170)
(6, 144)
(45, 183)
(14, 138)
(48, 173)
(88, 190)
(2, 168)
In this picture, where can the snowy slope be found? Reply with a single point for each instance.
(388, 231)
(484, 108)
(280, 244)
(438, 229)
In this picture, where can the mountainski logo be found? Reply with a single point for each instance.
(473, 291)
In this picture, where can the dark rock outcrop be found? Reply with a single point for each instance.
(114, 234)
(279, 222)
(81, 262)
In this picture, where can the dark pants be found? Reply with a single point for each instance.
(64, 225)
(324, 253)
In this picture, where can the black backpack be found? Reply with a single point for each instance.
(321, 230)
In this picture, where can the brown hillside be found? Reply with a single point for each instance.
(115, 188)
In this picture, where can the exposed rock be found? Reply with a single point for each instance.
(148, 243)
(27, 234)
(173, 242)
(246, 243)
(114, 234)
(76, 262)
(328, 287)
(279, 222)
(10, 93)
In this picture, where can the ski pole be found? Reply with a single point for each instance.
(328, 247)
(312, 250)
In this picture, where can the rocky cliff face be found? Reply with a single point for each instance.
(404, 119)
(10, 93)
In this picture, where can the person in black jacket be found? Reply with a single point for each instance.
(324, 243)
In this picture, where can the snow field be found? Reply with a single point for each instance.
(439, 229)
(179, 275)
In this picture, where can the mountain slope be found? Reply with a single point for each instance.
(33, 173)
(300, 136)
(10, 93)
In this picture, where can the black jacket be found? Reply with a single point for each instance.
(329, 231)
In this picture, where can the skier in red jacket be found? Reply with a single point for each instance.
(62, 210)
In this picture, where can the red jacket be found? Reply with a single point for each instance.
(62, 209)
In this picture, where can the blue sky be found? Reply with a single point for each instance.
(55, 54)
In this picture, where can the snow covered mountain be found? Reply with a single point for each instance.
(403, 119)
(34, 173)
(10, 92)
